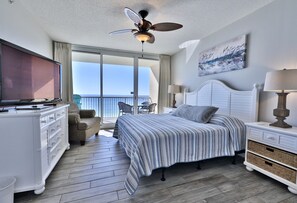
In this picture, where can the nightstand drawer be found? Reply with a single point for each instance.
(254, 133)
(271, 137)
(288, 142)
(273, 153)
(272, 167)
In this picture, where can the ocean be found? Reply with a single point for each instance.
(109, 102)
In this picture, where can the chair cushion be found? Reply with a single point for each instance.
(86, 123)
(87, 113)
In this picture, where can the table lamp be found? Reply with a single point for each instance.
(173, 89)
(282, 82)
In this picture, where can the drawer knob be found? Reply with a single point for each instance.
(269, 149)
(268, 163)
(270, 138)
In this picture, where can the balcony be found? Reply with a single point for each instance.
(110, 105)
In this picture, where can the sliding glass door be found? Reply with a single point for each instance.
(102, 81)
(86, 76)
(118, 86)
(148, 83)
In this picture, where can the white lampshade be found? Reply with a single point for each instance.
(173, 89)
(281, 80)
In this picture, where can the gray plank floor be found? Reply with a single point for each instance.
(96, 173)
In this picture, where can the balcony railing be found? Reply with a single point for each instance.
(110, 104)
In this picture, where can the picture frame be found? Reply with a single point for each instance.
(228, 56)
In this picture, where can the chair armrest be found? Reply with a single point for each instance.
(73, 118)
(87, 113)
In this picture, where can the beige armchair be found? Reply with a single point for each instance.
(82, 124)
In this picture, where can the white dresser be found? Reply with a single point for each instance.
(31, 144)
(273, 152)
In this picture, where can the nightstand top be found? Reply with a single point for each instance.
(266, 126)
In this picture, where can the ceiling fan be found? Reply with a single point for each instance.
(143, 26)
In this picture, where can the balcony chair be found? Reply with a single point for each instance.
(124, 108)
(148, 109)
(82, 123)
(152, 108)
(76, 99)
(145, 104)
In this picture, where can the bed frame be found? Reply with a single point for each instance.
(239, 104)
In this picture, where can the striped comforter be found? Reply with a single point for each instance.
(161, 140)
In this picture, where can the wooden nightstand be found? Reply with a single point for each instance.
(168, 109)
(273, 152)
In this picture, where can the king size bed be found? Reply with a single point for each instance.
(161, 140)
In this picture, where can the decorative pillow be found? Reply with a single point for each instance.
(200, 114)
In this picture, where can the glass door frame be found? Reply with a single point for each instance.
(135, 79)
(104, 51)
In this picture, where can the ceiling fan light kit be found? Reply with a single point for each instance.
(143, 26)
(142, 36)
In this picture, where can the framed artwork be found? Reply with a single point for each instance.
(228, 56)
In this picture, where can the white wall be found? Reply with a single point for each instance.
(17, 26)
(272, 44)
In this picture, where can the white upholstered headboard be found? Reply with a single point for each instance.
(240, 104)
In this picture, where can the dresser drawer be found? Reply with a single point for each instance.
(272, 167)
(273, 153)
(45, 120)
(54, 140)
(51, 117)
(54, 128)
(54, 151)
(60, 114)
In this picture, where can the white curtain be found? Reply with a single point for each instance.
(63, 54)
(164, 81)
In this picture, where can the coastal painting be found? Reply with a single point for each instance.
(225, 57)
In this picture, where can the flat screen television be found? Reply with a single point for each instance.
(27, 77)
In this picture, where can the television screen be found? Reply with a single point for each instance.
(27, 77)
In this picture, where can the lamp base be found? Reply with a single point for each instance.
(173, 102)
(280, 124)
(281, 112)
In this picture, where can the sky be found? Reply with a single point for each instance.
(117, 79)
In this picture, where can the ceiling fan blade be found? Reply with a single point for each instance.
(122, 31)
(132, 15)
(166, 26)
(152, 39)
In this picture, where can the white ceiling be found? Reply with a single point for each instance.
(88, 22)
